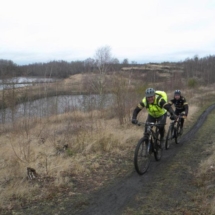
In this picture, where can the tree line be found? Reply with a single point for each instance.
(201, 69)
(102, 62)
(58, 69)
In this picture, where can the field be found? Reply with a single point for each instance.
(67, 157)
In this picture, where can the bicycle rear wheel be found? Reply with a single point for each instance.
(157, 146)
(142, 157)
(168, 138)
(178, 133)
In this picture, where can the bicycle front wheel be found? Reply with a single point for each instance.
(142, 157)
(158, 148)
(178, 133)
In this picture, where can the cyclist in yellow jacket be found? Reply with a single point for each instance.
(157, 108)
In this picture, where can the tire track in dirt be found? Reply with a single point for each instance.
(112, 200)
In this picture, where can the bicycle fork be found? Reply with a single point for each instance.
(150, 148)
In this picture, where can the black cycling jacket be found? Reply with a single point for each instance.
(180, 104)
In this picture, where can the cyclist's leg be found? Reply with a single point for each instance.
(162, 120)
(182, 119)
(180, 112)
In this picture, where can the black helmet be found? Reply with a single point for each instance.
(150, 92)
(177, 92)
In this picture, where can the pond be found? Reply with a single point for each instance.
(16, 82)
(56, 105)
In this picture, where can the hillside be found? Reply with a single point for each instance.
(81, 153)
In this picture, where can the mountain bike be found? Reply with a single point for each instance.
(146, 146)
(175, 131)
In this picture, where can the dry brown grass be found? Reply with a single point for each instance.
(74, 79)
(204, 176)
(74, 82)
(40, 146)
(154, 67)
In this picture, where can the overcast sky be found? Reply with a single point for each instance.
(141, 30)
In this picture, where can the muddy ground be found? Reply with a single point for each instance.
(167, 188)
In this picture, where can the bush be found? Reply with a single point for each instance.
(192, 83)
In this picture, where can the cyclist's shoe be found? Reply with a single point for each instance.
(160, 144)
(150, 150)
(172, 117)
(181, 131)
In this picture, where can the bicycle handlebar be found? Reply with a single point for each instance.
(150, 123)
(178, 116)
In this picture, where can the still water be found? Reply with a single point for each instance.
(55, 105)
(17, 82)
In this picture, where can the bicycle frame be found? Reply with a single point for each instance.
(178, 122)
(152, 136)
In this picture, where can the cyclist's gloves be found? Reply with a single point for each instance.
(134, 121)
(173, 117)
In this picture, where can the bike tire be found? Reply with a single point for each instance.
(142, 156)
(178, 134)
(157, 146)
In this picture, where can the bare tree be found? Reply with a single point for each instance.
(115, 61)
(103, 59)
(89, 64)
(125, 61)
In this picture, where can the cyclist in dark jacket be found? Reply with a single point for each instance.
(180, 104)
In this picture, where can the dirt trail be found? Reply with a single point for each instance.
(113, 200)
